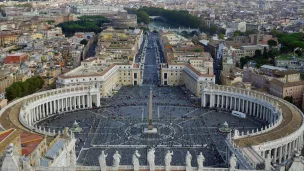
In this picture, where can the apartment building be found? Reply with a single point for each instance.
(186, 64)
(260, 78)
(112, 67)
(290, 89)
(6, 79)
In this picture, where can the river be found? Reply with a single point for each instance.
(156, 24)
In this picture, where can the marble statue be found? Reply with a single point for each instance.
(233, 161)
(116, 159)
(151, 158)
(188, 159)
(72, 158)
(26, 165)
(135, 160)
(200, 161)
(102, 160)
(168, 158)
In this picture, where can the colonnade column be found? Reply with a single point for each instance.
(217, 101)
(230, 106)
(254, 107)
(79, 102)
(275, 155)
(47, 109)
(250, 107)
(285, 151)
(51, 107)
(280, 154)
(234, 104)
(239, 107)
(226, 98)
(83, 103)
(71, 104)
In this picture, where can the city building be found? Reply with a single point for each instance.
(186, 64)
(232, 76)
(290, 62)
(261, 78)
(15, 58)
(89, 10)
(110, 76)
(6, 79)
(124, 20)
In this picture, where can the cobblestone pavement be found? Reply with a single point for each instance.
(182, 126)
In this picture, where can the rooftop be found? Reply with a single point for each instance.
(291, 122)
(5, 134)
(273, 67)
(29, 142)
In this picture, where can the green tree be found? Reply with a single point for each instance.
(289, 99)
(237, 33)
(221, 36)
(265, 53)
(257, 53)
(272, 43)
(84, 41)
(20, 89)
(142, 16)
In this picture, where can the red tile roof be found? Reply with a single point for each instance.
(5, 134)
(29, 142)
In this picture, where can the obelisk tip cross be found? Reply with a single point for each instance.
(150, 127)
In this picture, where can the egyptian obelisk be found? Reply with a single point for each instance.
(150, 126)
(150, 129)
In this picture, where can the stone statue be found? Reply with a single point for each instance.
(233, 161)
(116, 159)
(102, 160)
(200, 161)
(26, 165)
(151, 158)
(188, 159)
(135, 160)
(72, 158)
(168, 158)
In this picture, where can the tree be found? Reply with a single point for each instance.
(84, 41)
(272, 43)
(237, 33)
(20, 89)
(222, 31)
(142, 16)
(257, 53)
(265, 53)
(221, 36)
(288, 98)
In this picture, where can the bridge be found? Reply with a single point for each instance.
(177, 30)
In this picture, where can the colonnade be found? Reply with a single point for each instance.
(249, 106)
(64, 104)
(40, 106)
(264, 107)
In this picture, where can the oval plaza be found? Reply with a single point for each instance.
(152, 126)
